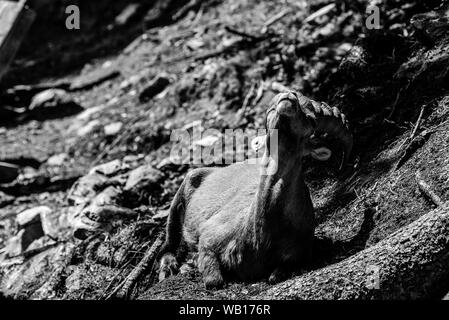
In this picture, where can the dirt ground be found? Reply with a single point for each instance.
(391, 83)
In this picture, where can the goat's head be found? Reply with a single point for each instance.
(299, 122)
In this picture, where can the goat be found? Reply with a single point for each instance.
(248, 224)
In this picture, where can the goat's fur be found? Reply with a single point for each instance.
(245, 224)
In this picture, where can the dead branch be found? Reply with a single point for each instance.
(414, 145)
(398, 267)
(427, 190)
(276, 18)
(418, 122)
(243, 34)
(124, 289)
(321, 12)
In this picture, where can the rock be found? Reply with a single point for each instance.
(87, 219)
(8, 172)
(107, 169)
(14, 246)
(20, 242)
(195, 44)
(53, 103)
(108, 196)
(49, 224)
(143, 178)
(87, 113)
(113, 128)
(86, 188)
(31, 216)
(57, 160)
(35, 272)
(157, 85)
(132, 159)
(130, 82)
(108, 213)
(98, 218)
(208, 141)
(88, 128)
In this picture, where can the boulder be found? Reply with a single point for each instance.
(21, 241)
(113, 129)
(86, 188)
(99, 214)
(31, 216)
(143, 178)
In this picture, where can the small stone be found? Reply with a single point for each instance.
(108, 169)
(131, 81)
(88, 128)
(86, 114)
(108, 196)
(208, 141)
(195, 44)
(113, 128)
(49, 223)
(14, 245)
(57, 160)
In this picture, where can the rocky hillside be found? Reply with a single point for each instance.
(87, 115)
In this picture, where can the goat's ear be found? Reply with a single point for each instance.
(321, 153)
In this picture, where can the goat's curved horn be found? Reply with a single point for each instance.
(328, 120)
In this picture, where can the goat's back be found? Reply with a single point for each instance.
(227, 191)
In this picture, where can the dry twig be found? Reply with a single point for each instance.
(124, 289)
(427, 190)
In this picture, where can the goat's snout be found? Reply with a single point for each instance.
(287, 104)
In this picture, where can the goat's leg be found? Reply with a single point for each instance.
(281, 273)
(168, 265)
(209, 266)
(293, 263)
